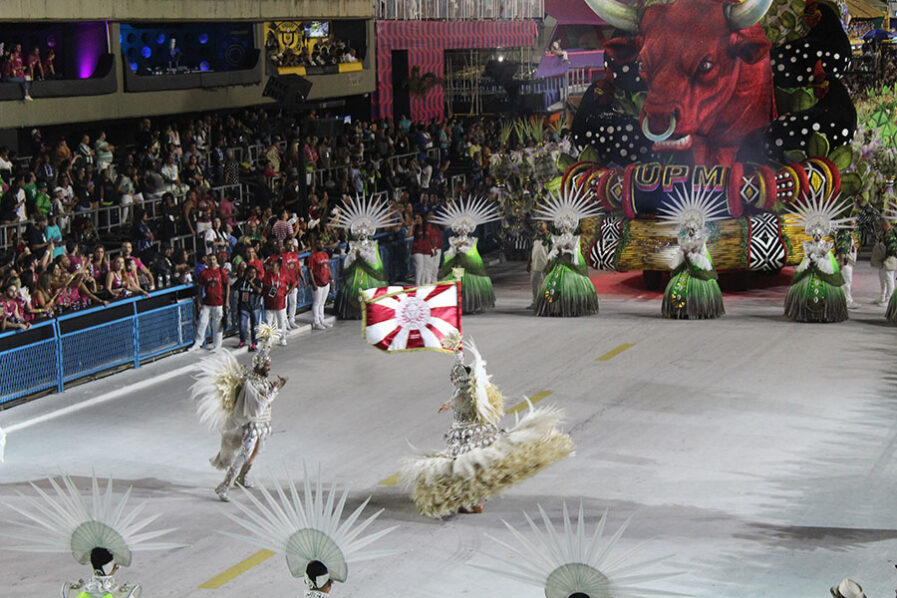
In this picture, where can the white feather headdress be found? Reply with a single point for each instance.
(464, 215)
(820, 211)
(362, 216)
(569, 562)
(265, 334)
(693, 208)
(67, 522)
(308, 528)
(568, 208)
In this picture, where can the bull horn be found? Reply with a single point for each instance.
(742, 15)
(646, 129)
(620, 15)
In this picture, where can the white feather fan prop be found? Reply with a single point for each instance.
(308, 528)
(67, 522)
(464, 215)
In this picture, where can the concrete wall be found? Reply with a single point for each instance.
(183, 10)
(51, 111)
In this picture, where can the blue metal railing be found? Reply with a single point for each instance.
(53, 353)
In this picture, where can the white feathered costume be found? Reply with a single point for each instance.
(481, 459)
(236, 404)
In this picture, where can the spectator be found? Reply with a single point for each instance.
(54, 235)
(85, 155)
(163, 266)
(98, 267)
(13, 317)
(214, 297)
(145, 276)
(249, 305)
(35, 67)
(319, 277)
(104, 151)
(143, 235)
(421, 248)
(36, 237)
(14, 70)
(275, 287)
(132, 277)
(291, 266)
(50, 65)
(42, 203)
(215, 238)
(43, 299)
(117, 283)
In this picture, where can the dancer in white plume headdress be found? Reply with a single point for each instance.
(362, 268)
(98, 531)
(237, 404)
(319, 545)
(570, 564)
(463, 216)
(693, 291)
(816, 294)
(566, 290)
(481, 459)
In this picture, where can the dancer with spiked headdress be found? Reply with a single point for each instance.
(566, 290)
(889, 240)
(237, 404)
(816, 294)
(317, 543)
(570, 564)
(481, 459)
(98, 532)
(693, 291)
(362, 268)
(463, 217)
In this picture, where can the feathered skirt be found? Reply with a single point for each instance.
(440, 484)
(359, 276)
(692, 294)
(815, 296)
(567, 290)
(477, 294)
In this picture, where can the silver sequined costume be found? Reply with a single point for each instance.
(468, 430)
(246, 427)
(99, 587)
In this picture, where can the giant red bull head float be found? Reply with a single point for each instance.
(739, 97)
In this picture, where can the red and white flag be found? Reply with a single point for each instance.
(412, 318)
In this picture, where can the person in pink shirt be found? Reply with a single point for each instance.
(16, 71)
(35, 66)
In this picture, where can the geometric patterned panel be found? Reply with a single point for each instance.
(603, 251)
(97, 348)
(766, 250)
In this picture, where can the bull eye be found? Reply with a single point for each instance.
(705, 67)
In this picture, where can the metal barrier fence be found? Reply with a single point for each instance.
(53, 353)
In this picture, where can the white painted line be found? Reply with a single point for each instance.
(115, 394)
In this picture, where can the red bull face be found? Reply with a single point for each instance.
(706, 66)
(708, 87)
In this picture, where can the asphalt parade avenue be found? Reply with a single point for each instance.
(759, 453)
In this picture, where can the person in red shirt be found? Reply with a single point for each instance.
(275, 286)
(435, 234)
(291, 266)
(214, 297)
(319, 277)
(16, 70)
(426, 249)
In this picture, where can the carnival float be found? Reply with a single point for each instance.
(742, 99)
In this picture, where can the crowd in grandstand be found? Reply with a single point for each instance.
(325, 52)
(185, 191)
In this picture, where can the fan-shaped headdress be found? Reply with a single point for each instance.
(568, 208)
(569, 563)
(693, 209)
(819, 212)
(265, 334)
(308, 528)
(66, 522)
(464, 215)
(362, 216)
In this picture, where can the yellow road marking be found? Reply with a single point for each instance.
(237, 570)
(533, 399)
(394, 478)
(615, 351)
(391, 480)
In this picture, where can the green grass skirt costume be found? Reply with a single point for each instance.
(815, 296)
(567, 291)
(477, 294)
(358, 276)
(692, 294)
